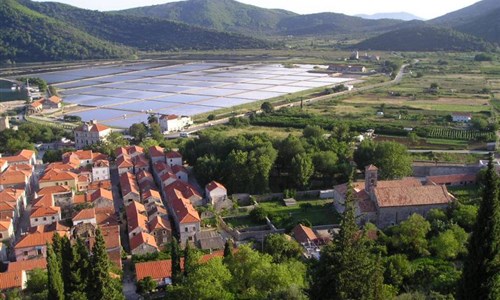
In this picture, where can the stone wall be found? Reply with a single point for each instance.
(424, 170)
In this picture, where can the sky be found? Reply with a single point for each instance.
(426, 9)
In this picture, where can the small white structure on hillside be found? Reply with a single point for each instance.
(461, 117)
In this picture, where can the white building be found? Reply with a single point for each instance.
(461, 117)
(90, 133)
(45, 215)
(215, 192)
(170, 123)
(100, 170)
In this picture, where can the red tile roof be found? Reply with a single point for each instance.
(162, 269)
(128, 184)
(451, 179)
(105, 184)
(213, 185)
(45, 211)
(136, 216)
(21, 156)
(55, 99)
(159, 223)
(142, 238)
(56, 175)
(304, 234)
(173, 154)
(169, 117)
(27, 265)
(5, 224)
(35, 239)
(412, 196)
(84, 214)
(101, 193)
(11, 280)
(184, 210)
(156, 151)
(58, 189)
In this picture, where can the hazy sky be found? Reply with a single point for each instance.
(426, 9)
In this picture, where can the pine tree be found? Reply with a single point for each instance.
(55, 284)
(176, 261)
(481, 273)
(346, 267)
(101, 285)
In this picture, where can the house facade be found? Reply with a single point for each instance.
(90, 133)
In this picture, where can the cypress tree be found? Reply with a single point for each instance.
(176, 261)
(57, 247)
(190, 261)
(346, 268)
(74, 288)
(83, 265)
(55, 284)
(101, 285)
(481, 273)
(228, 249)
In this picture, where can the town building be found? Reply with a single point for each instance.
(347, 68)
(461, 117)
(389, 202)
(90, 133)
(170, 123)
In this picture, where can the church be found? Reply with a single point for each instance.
(388, 202)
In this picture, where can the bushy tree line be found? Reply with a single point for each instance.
(12, 141)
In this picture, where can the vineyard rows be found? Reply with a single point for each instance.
(457, 134)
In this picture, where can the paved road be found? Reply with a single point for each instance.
(450, 151)
(396, 80)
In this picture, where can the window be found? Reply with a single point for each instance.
(39, 251)
(36, 219)
(53, 218)
(1, 235)
(45, 218)
(186, 229)
(25, 253)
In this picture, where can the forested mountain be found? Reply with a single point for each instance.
(332, 23)
(425, 38)
(44, 31)
(486, 26)
(141, 32)
(230, 15)
(225, 15)
(394, 15)
(26, 35)
(466, 14)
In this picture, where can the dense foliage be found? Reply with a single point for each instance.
(12, 141)
(26, 35)
(249, 163)
(143, 32)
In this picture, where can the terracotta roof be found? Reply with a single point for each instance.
(366, 206)
(213, 185)
(136, 216)
(101, 193)
(104, 184)
(58, 189)
(124, 162)
(45, 211)
(412, 196)
(151, 193)
(56, 226)
(11, 194)
(35, 239)
(98, 128)
(56, 175)
(159, 223)
(144, 175)
(21, 156)
(128, 184)
(84, 178)
(187, 190)
(455, 178)
(142, 238)
(101, 163)
(169, 117)
(156, 151)
(462, 114)
(37, 103)
(184, 210)
(111, 235)
(78, 199)
(81, 154)
(84, 214)
(5, 224)
(163, 269)
(106, 216)
(27, 265)
(303, 234)
(12, 177)
(140, 161)
(177, 169)
(173, 154)
(55, 99)
(11, 280)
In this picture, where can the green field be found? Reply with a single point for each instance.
(320, 213)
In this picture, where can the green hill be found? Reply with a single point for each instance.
(26, 35)
(466, 15)
(144, 33)
(333, 23)
(224, 15)
(424, 38)
(486, 26)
